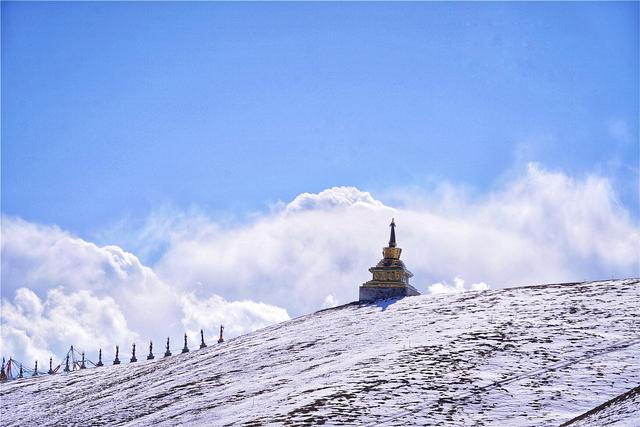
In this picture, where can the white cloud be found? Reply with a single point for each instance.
(237, 316)
(330, 301)
(457, 287)
(332, 198)
(540, 227)
(59, 290)
(479, 286)
(33, 328)
(314, 252)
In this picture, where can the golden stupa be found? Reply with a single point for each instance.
(390, 276)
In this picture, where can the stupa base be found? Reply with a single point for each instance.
(375, 293)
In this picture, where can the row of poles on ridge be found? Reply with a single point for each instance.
(75, 360)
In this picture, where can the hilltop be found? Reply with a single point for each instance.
(538, 355)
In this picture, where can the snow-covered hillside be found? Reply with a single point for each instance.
(616, 411)
(538, 355)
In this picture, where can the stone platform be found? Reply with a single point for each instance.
(374, 293)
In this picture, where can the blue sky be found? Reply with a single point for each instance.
(169, 167)
(112, 109)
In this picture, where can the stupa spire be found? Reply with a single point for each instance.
(392, 237)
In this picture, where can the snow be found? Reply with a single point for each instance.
(533, 355)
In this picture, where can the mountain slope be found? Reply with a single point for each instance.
(615, 411)
(533, 355)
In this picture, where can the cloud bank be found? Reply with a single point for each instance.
(59, 290)
(457, 287)
(308, 254)
(540, 227)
